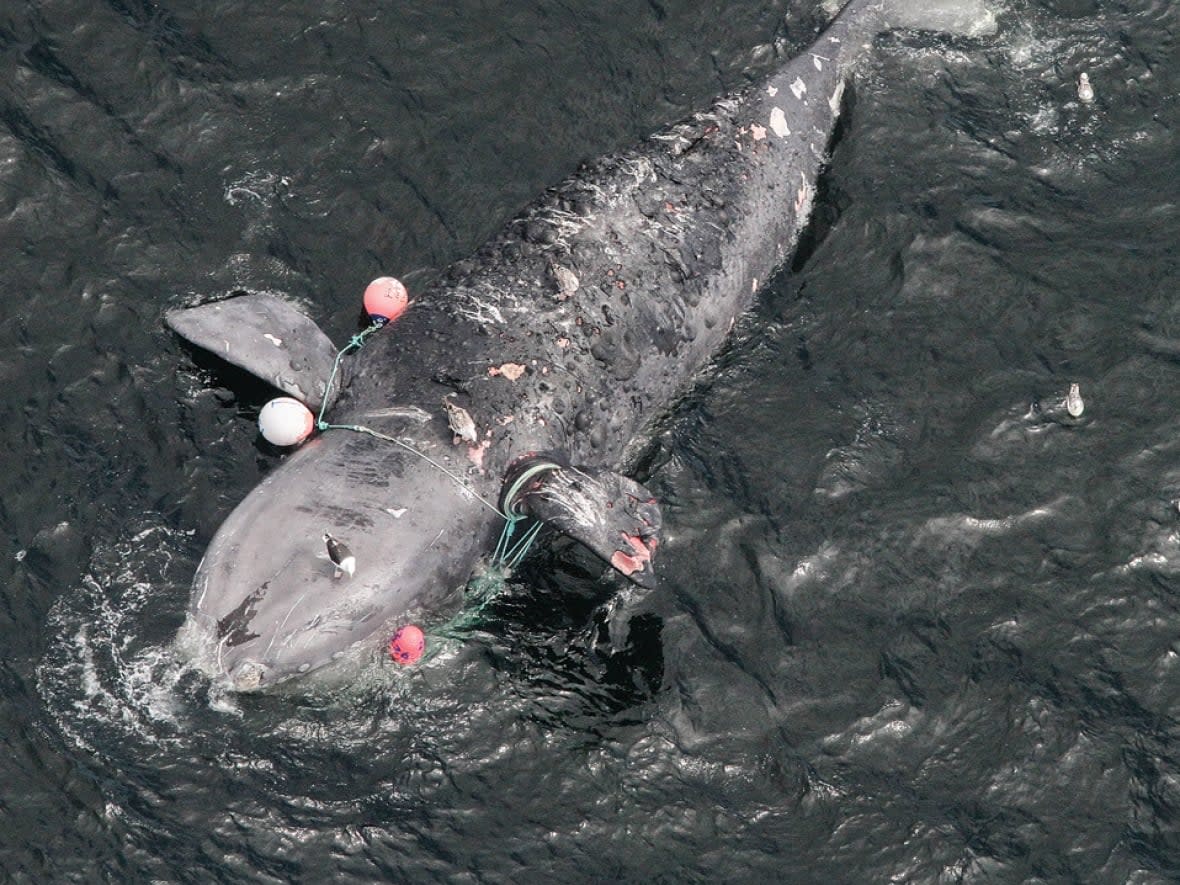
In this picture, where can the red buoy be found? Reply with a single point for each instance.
(386, 300)
(407, 645)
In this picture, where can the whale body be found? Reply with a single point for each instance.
(570, 332)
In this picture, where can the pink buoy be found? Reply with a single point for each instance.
(386, 299)
(285, 421)
(407, 645)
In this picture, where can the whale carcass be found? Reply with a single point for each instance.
(562, 340)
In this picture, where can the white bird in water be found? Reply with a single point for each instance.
(1074, 404)
(341, 556)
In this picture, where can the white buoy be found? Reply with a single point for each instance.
(285, 422)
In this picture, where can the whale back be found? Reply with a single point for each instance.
(617, 285)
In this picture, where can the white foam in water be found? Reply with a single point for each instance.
(257, 186)
(100, 670)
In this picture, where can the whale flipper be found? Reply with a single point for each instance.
(615, 517)
(268, 338)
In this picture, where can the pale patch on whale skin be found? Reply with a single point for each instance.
(836, 97)
(778, 123)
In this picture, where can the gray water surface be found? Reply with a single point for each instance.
(916, 623)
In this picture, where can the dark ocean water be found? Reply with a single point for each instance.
(916, 622)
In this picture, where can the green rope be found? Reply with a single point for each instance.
(458, 480)
(483, 588)
(486, 586)
(354, 343)
(481, 591)
(508, 555)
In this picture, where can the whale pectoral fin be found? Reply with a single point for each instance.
(267, 337)
(616, 517)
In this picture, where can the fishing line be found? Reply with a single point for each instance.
(482, 589)
(355, 343)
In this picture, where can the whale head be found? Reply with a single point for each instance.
(269, 603)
